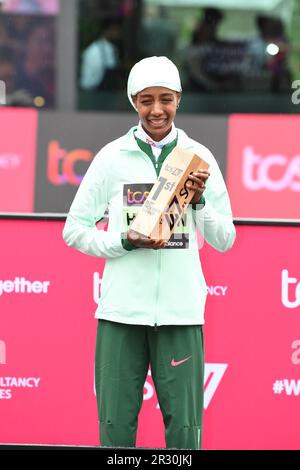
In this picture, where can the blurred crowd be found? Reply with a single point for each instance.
(27, 59)
(259, 63)
(114, 34)
(211, 64)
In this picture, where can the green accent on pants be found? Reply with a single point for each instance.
(123, 355)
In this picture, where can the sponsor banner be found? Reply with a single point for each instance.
(67, 144)
(255, 333)
(47, 336)
(17, 159)
(48, 296)
(263, 172)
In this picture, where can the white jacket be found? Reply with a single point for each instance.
(144, 286)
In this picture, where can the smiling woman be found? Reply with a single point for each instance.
(153, 292)
(157, 104)
(156, 107)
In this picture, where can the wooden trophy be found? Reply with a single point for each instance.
(166, 202)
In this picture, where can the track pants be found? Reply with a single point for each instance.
(123, 355)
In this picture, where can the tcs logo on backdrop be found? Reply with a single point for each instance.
(61, 164)
(259, 171)
(263, 174)
(290, 290)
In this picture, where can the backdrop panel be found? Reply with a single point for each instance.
(67, 143)
(263, 172)
(17, 159)
(48, 295)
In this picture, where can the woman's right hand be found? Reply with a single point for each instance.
(141, 241)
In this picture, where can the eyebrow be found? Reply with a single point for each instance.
(142, 95)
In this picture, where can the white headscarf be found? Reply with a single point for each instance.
(152, 71)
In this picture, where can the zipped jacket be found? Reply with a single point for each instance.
(145, 286)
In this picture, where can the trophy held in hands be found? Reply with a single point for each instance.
(166, 202)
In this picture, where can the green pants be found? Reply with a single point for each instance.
(123, 355)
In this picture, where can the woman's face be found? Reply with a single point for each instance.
(156, 107)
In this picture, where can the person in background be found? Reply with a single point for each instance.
(7, 74)
(201, 53)
(205, 31)
(151, 309)
(266, 55)
(36, 66)
(4, 36)
(13, 96)
(157, 34)
(100, 63)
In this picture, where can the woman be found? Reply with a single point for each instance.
(152, 301)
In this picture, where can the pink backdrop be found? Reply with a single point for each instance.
(263, 166)
(252, 341)
(17, 159)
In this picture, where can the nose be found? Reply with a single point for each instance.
(157, 108)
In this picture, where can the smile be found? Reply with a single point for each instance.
(157, 122)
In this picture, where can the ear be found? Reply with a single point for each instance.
(134, 99)
(178, 94)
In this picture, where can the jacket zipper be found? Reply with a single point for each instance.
(155, 164)
(159, 266)
(157, 289)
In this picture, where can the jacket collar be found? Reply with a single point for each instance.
(129, 143)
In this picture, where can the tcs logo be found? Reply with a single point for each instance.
(290, 290)
(136, 197)
(61, 164)
(263, 171)
(2, 352)
(274, 172)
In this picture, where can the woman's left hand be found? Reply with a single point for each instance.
(197, 182)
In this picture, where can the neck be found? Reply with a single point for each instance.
(142, 134)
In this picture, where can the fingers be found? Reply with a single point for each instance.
(203, 174)
(141, 241)
(196, 184)
(138, 239)
(134, 237)
(153, 244)
(199, 176)
(197, 180)
(158, 244)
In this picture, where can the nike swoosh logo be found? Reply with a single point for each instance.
(177, 363)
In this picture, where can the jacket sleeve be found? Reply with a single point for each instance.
(87, 209)
(214, 220)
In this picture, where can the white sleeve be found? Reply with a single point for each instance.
(215, 219)
(87, 209)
